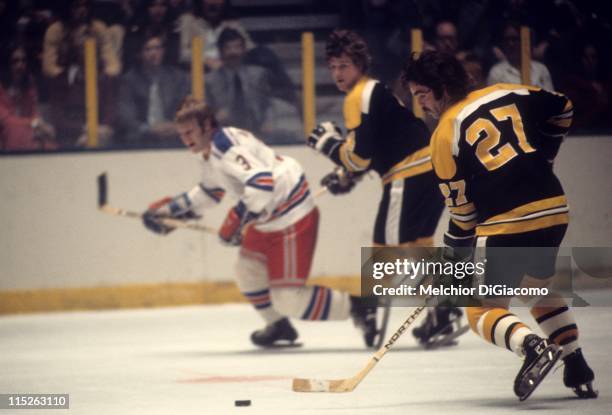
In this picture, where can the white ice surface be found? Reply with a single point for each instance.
(198, 360)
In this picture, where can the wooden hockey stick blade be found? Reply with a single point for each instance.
(349, 384)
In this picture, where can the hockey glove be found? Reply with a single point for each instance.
(178, 207)
(340, 181)
(235, 221)
(325, 138)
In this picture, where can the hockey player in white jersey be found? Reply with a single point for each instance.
(274, 221)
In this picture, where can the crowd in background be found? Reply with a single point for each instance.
(144, 61)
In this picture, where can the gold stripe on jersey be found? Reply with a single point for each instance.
(357, 102)
(531, 216)
(466, 209)
(351, 161)
(464, 216)
(416, 163)
(563, 123)
(465, 225)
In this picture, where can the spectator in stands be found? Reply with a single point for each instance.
(239, 93)
(68, 34)
(152, 16)
(207, 20)
(474, 68)
(21, 127)
(150, 94)
(9, 12)
(67, 109)
(446, 39)
(176, 8)
(509, 69)
(585, 82)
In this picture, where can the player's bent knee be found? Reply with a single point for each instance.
(288, 300)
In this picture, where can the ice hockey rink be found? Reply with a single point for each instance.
(198, 360)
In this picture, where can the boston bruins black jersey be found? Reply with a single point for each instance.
(383, 135)
(492, 153)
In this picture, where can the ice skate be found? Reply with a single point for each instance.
(540, 357)
(363, 311)
(278, 334)
(578, 376)
(440, 328)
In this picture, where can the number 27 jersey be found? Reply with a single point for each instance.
(492, 153)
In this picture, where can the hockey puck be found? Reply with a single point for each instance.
(242, 403)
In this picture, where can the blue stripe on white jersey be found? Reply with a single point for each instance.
(221, 141)
(262, 181)
(215, 193)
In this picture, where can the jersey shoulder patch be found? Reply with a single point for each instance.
(222, 141)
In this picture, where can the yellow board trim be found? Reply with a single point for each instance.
(140, 295)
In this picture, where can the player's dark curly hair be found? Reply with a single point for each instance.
(437, 71)
(349, 43)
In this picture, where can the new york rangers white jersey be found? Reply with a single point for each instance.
(268, 184)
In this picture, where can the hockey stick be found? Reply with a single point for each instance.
(106, 208)
(349, 384)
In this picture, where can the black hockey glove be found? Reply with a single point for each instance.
(340, 181)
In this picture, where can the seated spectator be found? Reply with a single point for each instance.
(67, 106)
(152, 16)
(21, 127)
(473, 67)
(150, 94)
(509, 70)
(446, 39)
(240, 93)
(586, 83)
(69, 33)
(207, 20)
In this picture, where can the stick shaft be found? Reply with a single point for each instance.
(175, 223)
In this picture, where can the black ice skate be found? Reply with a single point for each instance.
(441, 327)
(578, 376)
(278, 334)
(363, 311)
(540, 357)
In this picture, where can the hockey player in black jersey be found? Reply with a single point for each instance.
(492, 153)
(385, 137)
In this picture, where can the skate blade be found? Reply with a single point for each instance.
(291, 345)
(586, 391)
(539, 370)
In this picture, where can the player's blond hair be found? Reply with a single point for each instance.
(195, 109)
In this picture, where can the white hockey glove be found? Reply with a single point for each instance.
(325, 137)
